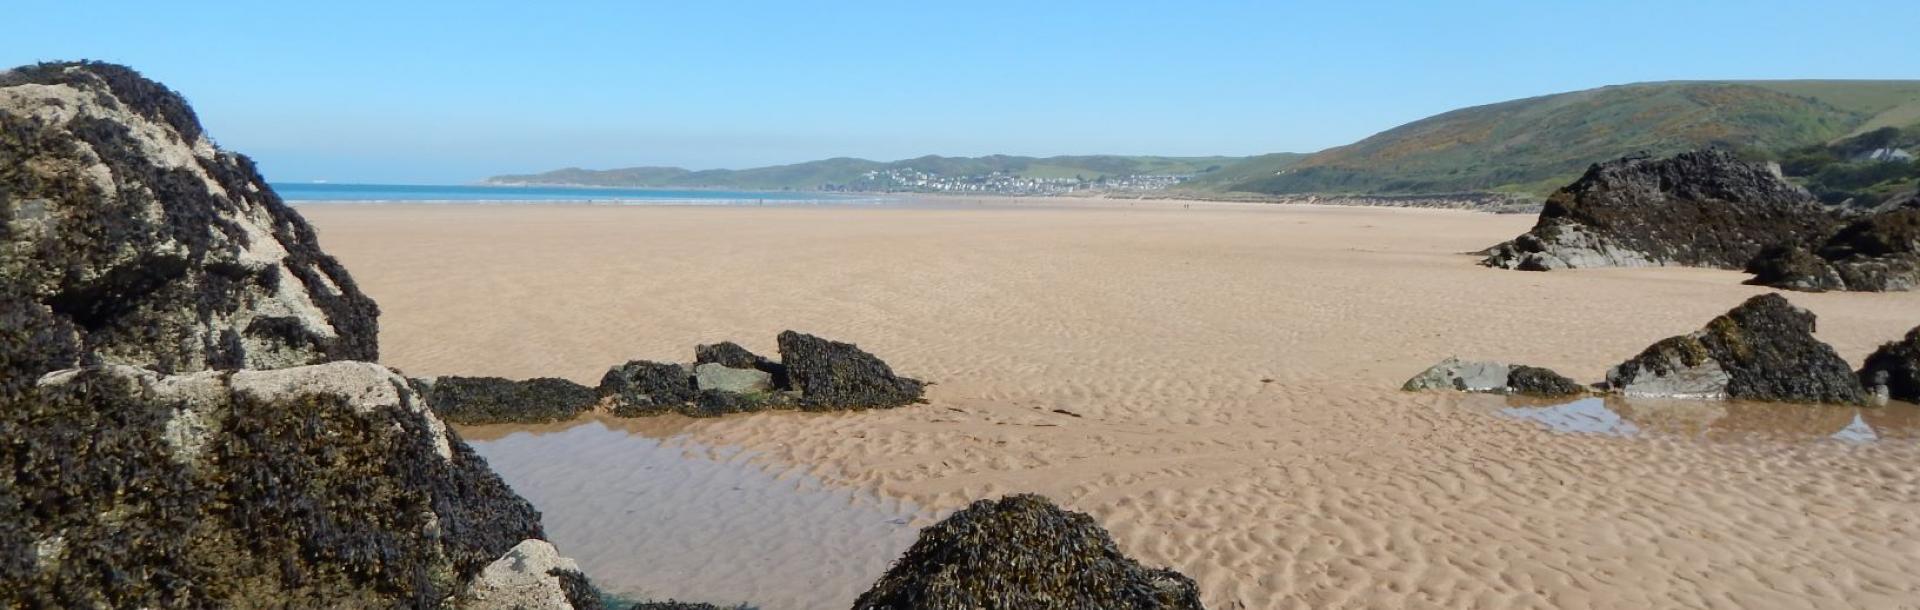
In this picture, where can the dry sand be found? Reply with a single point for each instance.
(1230, 371)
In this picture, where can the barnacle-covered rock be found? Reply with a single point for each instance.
(157, 249)
(1023, 553)
(835, 375)
(493, 400)
(1893, 371)
(640, 388)
(1878, 253)
(1762, 350)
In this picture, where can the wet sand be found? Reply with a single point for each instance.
(1229, 371)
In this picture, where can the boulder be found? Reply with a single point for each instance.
(149, 245)
(319, 486)
(1762, 350)
(1878, 253)
(531, 576)
(1022, 552)
(730, 354)
(493, 400)
(1458, 375)
(641, 388)
(1699, 209)
(716, 376)
(1893, 371)
(835, 375)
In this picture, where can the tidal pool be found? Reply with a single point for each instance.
(1719, 420)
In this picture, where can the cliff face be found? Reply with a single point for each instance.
(181, 424)
(126, 226)
(1696, 209)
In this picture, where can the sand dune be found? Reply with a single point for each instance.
(1227, 373)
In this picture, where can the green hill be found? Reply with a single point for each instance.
(1534, 145)
(832, 173)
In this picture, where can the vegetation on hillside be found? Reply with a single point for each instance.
(1867, 169)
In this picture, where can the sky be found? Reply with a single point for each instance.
(422, 92)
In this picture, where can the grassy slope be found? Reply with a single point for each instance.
(1534, 145)
(814, 174)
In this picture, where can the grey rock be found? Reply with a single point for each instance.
(1893, 371)
(730, 354)
(157, 249)
(1762, 350)
(530, 576)
(716, 376)
(1460, 375)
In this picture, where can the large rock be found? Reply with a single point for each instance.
(641, 388)
(1878, 253)
(731, 355)
(1022, 552)
(716, 376)
(1893, 371)
(1762, 350)
(1458, 375)
(835, 375)
(493, 400)
(1697, 209)
(532, 575)
(122, 220)
(317, 486)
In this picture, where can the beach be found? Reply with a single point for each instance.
(1216, 383)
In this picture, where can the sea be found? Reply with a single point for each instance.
(306, 192)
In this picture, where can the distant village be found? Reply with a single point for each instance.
(908, 180)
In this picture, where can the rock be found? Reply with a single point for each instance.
(150, 245)
(835, 375)
(493, 400)
(1893, 371)
(1878, 253)
(1700, 209)
(730, 354)
(318, 486)
(1022, 552)
(641, 388)
(1536, 381)
(716, 376)
(33, 340)
(531, 576)
(1458, 375)
(1762, 350)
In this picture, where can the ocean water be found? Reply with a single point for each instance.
(411, 193)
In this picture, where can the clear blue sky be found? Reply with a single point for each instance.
(435, 92)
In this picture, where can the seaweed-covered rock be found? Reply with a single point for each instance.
(317, 486)
(493, 400)
(1762, 350)
(1536, 381)
(641, 388)
(1878, 253)
(1458, 375)
(157, 249)
(731, 355)
(1699, 209)
(33, 340)
(835, 375)
(1893, 371)
(531, 575)
(1023, 553)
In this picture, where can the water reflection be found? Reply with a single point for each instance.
(1719, 420)
(649, 512)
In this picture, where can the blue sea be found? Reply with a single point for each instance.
(412, 193)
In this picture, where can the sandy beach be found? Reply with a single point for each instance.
(1215, 383)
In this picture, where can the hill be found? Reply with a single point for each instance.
(1533, 145)
(839, 173)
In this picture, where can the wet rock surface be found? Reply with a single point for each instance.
(1701, 209)
(833, 375)
(493, 400)
(1893, 371)
(1877, 253)
(1762, 350)
(319, 486)
(1458, 375)
(123, 220)
(1023, 552)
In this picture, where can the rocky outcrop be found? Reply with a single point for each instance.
(493, 400)
(1023, 552)
(317, 486)
(1458, 375)
(640, 388)
(531, 575)
(1762, 350)
(731, 355)
(123, 222)
(1893, 371)
(1878, 253)
(833, 375)
(1699, 209)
